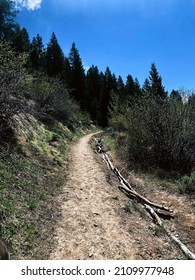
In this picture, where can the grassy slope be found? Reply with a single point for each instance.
(32, 171)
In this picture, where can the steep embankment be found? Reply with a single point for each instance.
(96, 221)
(33, 163)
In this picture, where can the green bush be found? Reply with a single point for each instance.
(187, 184)
(160, 133)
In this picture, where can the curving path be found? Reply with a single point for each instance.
(90, 226)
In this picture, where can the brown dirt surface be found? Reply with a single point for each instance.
(97, 221)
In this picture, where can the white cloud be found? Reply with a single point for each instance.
(29, 4)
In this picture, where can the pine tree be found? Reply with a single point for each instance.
(93, 93)
(120, 86)
(119, 97)
(146, 87)
(54, 58)
(66, 75)
(21, 40)
(156, 87)
(37, 52)
(132, 90)
(175, 94)
(109, 86)
(77, 82)
(7, 16)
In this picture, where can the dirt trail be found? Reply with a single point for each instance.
(90, 227)
(97, 221)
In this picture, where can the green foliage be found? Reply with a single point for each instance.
(20, 40)
(37, 55)
(54, 58)
(7, 15)
(110, 143)
(26, 189)
(159, 230)
(77, 79)
(187, 184)
(128, 208)
(92, 93)
(53, 98)
(155, 87)
(6, 207)
(12, 69)
(157, 130)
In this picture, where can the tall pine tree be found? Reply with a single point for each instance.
(77, 82)
(109, 85)
(156, 87)
(21, 40)
(54, 58)
(37, 52)
(7, 16)
(93, 93)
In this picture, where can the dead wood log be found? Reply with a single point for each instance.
(131, 193)
(183, 248)
(144, 200)
(125, 183)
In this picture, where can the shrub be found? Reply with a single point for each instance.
(187, 184)
(53, 98)
(160, 133)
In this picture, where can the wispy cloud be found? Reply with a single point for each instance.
(29, 4)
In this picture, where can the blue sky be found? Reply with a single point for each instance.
(126, 35)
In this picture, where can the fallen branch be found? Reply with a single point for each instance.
(124, 182)
(130, 192)
(183, 248)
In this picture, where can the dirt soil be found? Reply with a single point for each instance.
(97, 221)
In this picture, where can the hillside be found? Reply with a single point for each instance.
(34, 152)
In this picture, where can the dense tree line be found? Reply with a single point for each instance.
(157, 128)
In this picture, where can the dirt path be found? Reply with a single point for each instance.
(90, 227)
(97, 221)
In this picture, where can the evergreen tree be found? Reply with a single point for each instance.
(120, 86)
(109, 85)
(146, 87)
(132, 90)
(156, 87)
(77, 82)
(119, 97)
(7, 15)
(93, 93)
(137, 87)
(66, 75)
(21, 40)
(37, 52)
(176, 95)
(54, 58)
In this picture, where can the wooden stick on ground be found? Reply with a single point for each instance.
(131, 193)
(184, 249)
